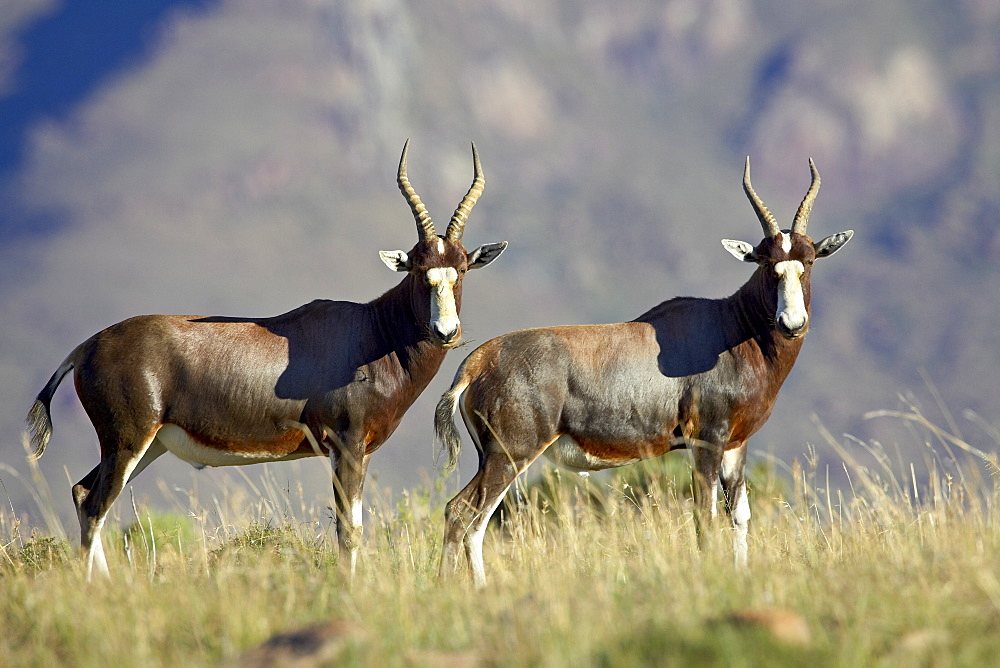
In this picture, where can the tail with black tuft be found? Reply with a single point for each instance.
(38, 424)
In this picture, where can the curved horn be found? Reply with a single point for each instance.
(425, 226)
(767, 221)
(802, 215)
(457, 225)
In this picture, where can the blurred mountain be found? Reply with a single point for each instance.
(246, 165)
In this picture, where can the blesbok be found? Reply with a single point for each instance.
(330, 378)
(689, 373)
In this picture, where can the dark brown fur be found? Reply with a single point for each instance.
(340, 372)
(698, 373)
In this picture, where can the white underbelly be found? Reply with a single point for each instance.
(567, 454)
(179, 442)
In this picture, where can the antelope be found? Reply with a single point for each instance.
(329, 378)
(690, 373)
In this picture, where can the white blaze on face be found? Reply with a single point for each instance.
(791, 301)
(444, 313)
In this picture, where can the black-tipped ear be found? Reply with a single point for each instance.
(832, 243)
(741, 250)
(485, 254)
(396, 260)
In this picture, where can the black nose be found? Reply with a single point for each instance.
(446, 337)
(792, 332)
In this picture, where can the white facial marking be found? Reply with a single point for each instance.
(440, 245)
(791, 301)
(786, 242)
(444, 314)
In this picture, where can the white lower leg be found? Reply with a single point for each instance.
(94, 553)
(741, 522)
(733, 467)
(474, 543)
(356, 529)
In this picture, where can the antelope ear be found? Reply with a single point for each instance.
(832, 243)
(741, 250)
(396, 260)
(485, 254)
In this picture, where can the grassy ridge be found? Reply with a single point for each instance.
(596, 572)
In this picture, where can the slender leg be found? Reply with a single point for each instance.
(96, 491)
(350, 467)
(705, 473)
(467, 515)
(455, 526)
(91, 548)
(735, 490)
(474, 540)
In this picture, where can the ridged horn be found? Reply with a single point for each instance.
(802, 215)
(425, 226)
(457, 225)
(767, 221)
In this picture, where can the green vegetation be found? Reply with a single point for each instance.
(612, 136)
(604, 571)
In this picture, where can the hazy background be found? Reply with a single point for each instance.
(238, 157)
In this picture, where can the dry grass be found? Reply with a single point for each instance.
(895, 567)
